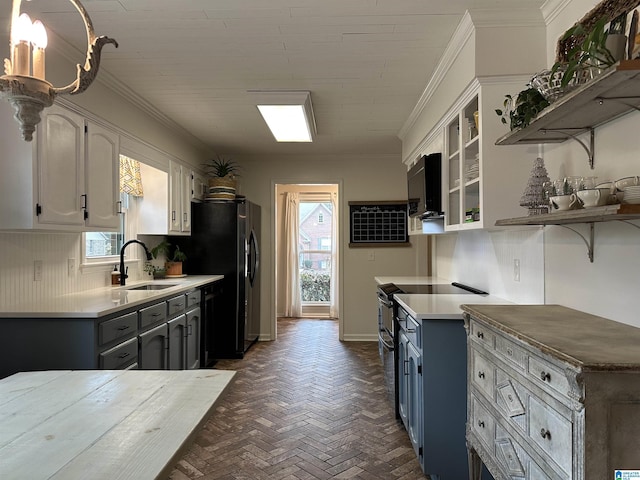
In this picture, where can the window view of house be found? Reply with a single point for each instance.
(315, 251)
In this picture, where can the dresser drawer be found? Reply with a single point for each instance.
(552, 433)
(193, 298)
(544, 374)
(118, 327)
(120, 356)
(482, 424)
(511, 352)
(153, 315)
(483, 374)
(482, 335)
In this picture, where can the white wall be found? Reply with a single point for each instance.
(360, 178)
(555, 258)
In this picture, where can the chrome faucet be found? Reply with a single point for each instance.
(123, 275)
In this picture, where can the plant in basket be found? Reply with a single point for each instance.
(222, 181)
(588, 57)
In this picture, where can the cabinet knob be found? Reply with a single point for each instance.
(480, 335)
(480, 374)
(545, 433)
(546, 377)
(480, 423)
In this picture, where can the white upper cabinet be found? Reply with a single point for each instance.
(481, 182)
(180, 199)
(102, 178)
(66, 179)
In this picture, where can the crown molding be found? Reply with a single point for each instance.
(109, 81)
(471, 20)
(552, 8)
(462, 34)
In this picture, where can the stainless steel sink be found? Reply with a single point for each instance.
(152, 286)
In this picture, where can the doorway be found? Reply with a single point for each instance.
(306, 253)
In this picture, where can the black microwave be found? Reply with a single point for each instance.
(424, 185)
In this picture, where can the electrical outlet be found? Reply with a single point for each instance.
(71, 266)
(372, 256)
(516, 270)
(37, 270)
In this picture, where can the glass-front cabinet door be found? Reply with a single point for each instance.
(481, 181)
(463, 156)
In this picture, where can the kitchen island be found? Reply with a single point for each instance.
(72, 425)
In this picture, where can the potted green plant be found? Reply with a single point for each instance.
(519, 112)
(222, 181)
(588, 57)
(173, 262)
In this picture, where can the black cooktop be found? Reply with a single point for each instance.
(439, 288)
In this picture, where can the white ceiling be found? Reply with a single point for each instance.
(365, 62)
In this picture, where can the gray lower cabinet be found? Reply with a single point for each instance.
(432, 392)
(160, 335)
(177, 343)
(553, 393)
(153, 348)
(193, 337)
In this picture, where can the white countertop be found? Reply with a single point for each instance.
(408, 280)
(103, 301)
(125, 424)
(442, 306)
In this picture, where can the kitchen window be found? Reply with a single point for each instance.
(104, 247)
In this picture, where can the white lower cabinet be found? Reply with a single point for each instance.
(65, 179)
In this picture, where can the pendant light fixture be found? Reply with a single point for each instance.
(23, 83)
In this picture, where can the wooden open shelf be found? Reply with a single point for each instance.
(608, 96)
(607, 213)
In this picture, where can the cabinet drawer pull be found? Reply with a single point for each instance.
(545, 433)
(480, 423)
(546, 377)
(509, 352)
(124, 355)
(406, 368)
(480, 335)
(123, 327)
(156, 314)
(480, 374)
(178, 305)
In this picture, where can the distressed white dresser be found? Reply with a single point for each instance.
(553, 393)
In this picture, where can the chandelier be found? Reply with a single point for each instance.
(23, 82)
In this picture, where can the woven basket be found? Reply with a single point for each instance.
(222, 188)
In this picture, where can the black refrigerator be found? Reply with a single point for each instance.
(224, 240)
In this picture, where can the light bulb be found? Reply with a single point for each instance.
(39, 35)
(21, 29)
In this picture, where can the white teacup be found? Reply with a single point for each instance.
(564, 202)
(593, 197)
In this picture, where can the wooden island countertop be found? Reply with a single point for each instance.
(109, 424)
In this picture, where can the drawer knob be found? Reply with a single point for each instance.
(545, 433)
(509, 352)
(546, 377)
(480, 423)
(480, 374)
(480, 335)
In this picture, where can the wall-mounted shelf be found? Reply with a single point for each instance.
(608, 213)
(610, 95)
